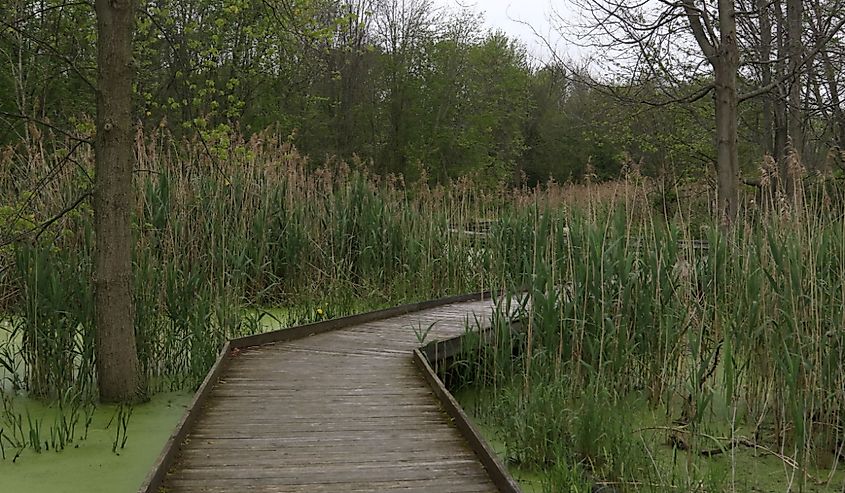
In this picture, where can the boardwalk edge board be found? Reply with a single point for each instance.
(165, 460)
(485, 453)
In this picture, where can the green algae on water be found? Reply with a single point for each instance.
(89, 466)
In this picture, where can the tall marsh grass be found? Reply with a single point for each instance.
(638, 341)
(255, 224)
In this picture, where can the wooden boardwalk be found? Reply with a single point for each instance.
(341, 411)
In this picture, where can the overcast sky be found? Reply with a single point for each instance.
(505, 14)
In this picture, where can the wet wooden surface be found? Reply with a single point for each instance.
(344, 411)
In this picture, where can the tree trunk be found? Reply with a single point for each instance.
(727, 158)
(725, 66)
(118, 371)
(767, 123)
(794, 13)
(724, 58)
(837, 111)
(780, 102)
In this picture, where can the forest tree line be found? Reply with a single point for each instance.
(410, 88)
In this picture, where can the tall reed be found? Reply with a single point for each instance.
(250, 226)
(739, 337)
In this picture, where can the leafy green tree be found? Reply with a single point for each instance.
(47, 57)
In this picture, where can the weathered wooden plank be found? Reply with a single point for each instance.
(342, 473)
(369, 408)
(293, 457)
(229, 427)
(327, 437)
(457, 485)
(449, 442)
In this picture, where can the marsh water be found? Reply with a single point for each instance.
(90, 465)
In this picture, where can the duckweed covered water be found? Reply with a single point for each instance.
(89, 466)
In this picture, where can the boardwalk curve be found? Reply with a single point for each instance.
(340, 406)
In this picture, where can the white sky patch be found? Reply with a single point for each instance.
(531, 21)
